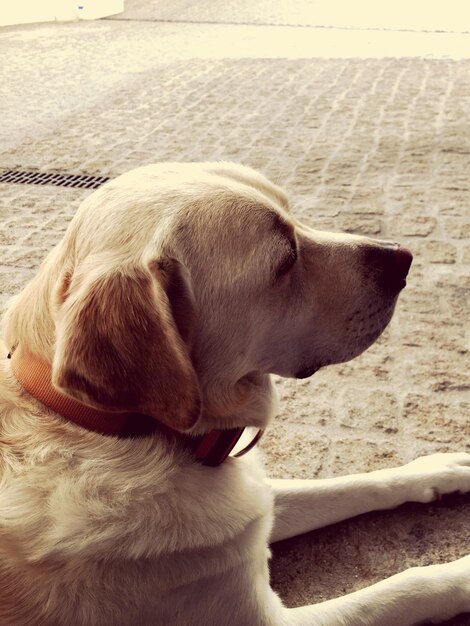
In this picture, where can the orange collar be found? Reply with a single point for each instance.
(34, 375)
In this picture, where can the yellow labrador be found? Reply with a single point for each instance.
(148, 334)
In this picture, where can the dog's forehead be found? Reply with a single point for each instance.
(233, 213)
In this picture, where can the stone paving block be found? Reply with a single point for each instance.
(466, 254)
(369, 454)
(435, 251)
(288, 452)
(369, 411)
(360, 224)
(414, 226)
(457, 228)
(432, 419)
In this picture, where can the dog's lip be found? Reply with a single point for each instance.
(308, 371)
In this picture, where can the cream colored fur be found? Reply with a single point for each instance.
(176, 292)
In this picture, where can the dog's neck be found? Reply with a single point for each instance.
(34, 375)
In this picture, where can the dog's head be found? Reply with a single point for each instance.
(179, 288)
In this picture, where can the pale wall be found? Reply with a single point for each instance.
(30, 11)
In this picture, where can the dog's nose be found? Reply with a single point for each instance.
(392, 263)
(402, 263)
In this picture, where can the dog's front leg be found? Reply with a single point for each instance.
(434, 593)
(303, 505)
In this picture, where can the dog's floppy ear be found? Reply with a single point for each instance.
(118, 347)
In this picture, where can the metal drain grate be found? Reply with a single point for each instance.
(60, 180)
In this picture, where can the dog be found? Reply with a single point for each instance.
(137, 355)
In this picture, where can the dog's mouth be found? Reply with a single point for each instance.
(364, 328)
(308, 371)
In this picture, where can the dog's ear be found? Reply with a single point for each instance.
(118, 347)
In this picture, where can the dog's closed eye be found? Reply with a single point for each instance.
(289, 246)
(288, 261)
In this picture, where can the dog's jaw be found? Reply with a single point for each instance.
(250, 401)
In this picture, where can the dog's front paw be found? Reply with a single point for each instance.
(452, 581)
(430, 477)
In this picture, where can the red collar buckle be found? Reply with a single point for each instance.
(217, 445)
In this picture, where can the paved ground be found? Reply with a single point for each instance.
(373, 145)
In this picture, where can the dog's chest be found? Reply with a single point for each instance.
(135, 534)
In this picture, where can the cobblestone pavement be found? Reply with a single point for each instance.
(373, 146)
